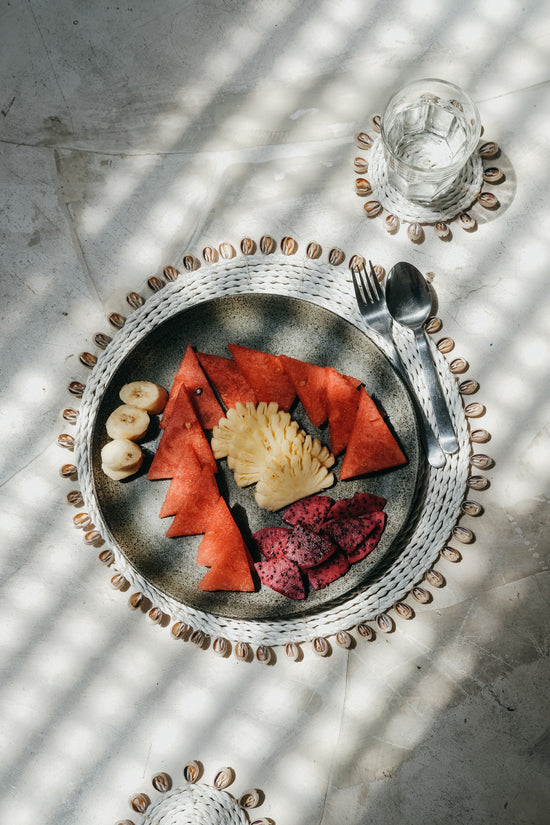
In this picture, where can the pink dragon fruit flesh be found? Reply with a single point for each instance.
(328, 571)
(283, 576)
(306, 548)
(272, 541)
(310, 512)
(361, 504)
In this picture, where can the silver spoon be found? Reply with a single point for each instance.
(410, 303)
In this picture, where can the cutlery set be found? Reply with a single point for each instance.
(406, 300)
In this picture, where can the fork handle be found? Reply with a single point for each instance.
(432, 448)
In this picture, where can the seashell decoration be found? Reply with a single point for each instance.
(467, 221)
(224, 778)
(93, 537)
(321, 646)
(468, 387)
(242, 651)
(155, 284)
(471, 508)
(445, 345)
(116, 319)
(314, 250)
(344, 639)
(474, 410)
(248, 246)
(67, 471)
(365, 631)
(180, 630)
(101, 340)
(267, 244)
(76, 388)
(362, 187)
(481, 461)
(372, 208)
(263, 654)
(82, 521)
(415, 232)
(357, 261)
(379, 272)
(442, 229)
(136, 600)
(363, 140)
(198, 638)
(124, 822)
(385, 623)
(155, 615)
(220, 646)
(288, 246)
(488, 149)
(434, 578)
(87, 359)
(139, 802)
(190, 263)
(227, 251)
(421, 595)
(459, 365)
(463, 534)
(263, 821)
(292, 651)
(210, 255)
(336, 256)
(107, 557)
(192, 771)
(161, 782)
(376, 121)
(135, 300)
(74, 498)
(488, 200)
(433, 324)
(451, 554)
(403, 610)
(392, 223)
(250, 799)
(66, 441)
(478, 482)
(171, 273)
(479, 436)
(493, 174)
(119, 582)
(360, 165)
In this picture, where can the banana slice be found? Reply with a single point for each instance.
(144, 394)
(127, 422)
(121, 458)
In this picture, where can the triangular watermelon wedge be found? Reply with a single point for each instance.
(309, 381)
(227, 378)
(371, 445)
(224, 550)
(342, 403)
(265, 374)
(196, 503)
(190, 374)
(186, 478)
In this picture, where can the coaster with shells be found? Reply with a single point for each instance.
(195, 801)
(382, 199)
(308, 272)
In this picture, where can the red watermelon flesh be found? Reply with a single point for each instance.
(360, 504)
(271, 541)
(371, 445)
(227, 378)
(342, 404)
(190, 374)
(309, 512)
(307, 549)
(283, 576)
(195, 506)
(224, 550)
(378, 522)
(265, 374)
(310, 384)
(185, 479)
(328, 571)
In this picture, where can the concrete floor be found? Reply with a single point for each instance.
(132, 134)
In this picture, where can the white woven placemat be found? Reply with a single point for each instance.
(328, 286)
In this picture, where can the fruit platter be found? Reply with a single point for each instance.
(276, 467)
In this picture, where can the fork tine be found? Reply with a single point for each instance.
(370, 294)
(357, 285)
(375, 283)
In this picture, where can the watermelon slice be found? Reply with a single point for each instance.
(190, 374)
(309, 512)
(227, 378)
(342, 403)
(271, 541)
(307, 549)
(186, 477)
(283, 576)
(328, 571)
(196, 504)
(224, 550)
(309, 381)
(371, 445)
(360, 504)
(184, 431)
(265, 374)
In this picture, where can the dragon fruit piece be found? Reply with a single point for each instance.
(328, 571)
(378, 521)
(349, 533)
(272, 541)
(306, 548)
(283, 576)
(361, 504)
(309, 512)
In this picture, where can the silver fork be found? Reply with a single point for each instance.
(371, 301)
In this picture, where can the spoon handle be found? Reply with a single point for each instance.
(447, 436)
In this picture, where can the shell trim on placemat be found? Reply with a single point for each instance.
(328, 285)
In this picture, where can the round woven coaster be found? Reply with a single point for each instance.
(196, 805)
(328, 284)
(459, 198)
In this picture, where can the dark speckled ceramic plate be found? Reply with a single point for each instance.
(275, 324)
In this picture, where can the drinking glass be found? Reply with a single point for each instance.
(429, 130)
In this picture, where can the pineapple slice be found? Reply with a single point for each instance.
(284, 482)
